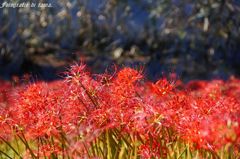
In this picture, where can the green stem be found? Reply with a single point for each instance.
(23, 139)
(109, 156)
(5, 154)
(10, 146)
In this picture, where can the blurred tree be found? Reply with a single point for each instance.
(198, 38)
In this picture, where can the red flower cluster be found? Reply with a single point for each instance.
(66, 117)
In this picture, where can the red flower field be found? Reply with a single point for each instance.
(119, 114)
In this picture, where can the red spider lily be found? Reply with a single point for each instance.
(117, 100)
(48, 150)
(152, 149)
(35, 111)
(162, 87)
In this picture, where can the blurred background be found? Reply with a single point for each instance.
(197, 39)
